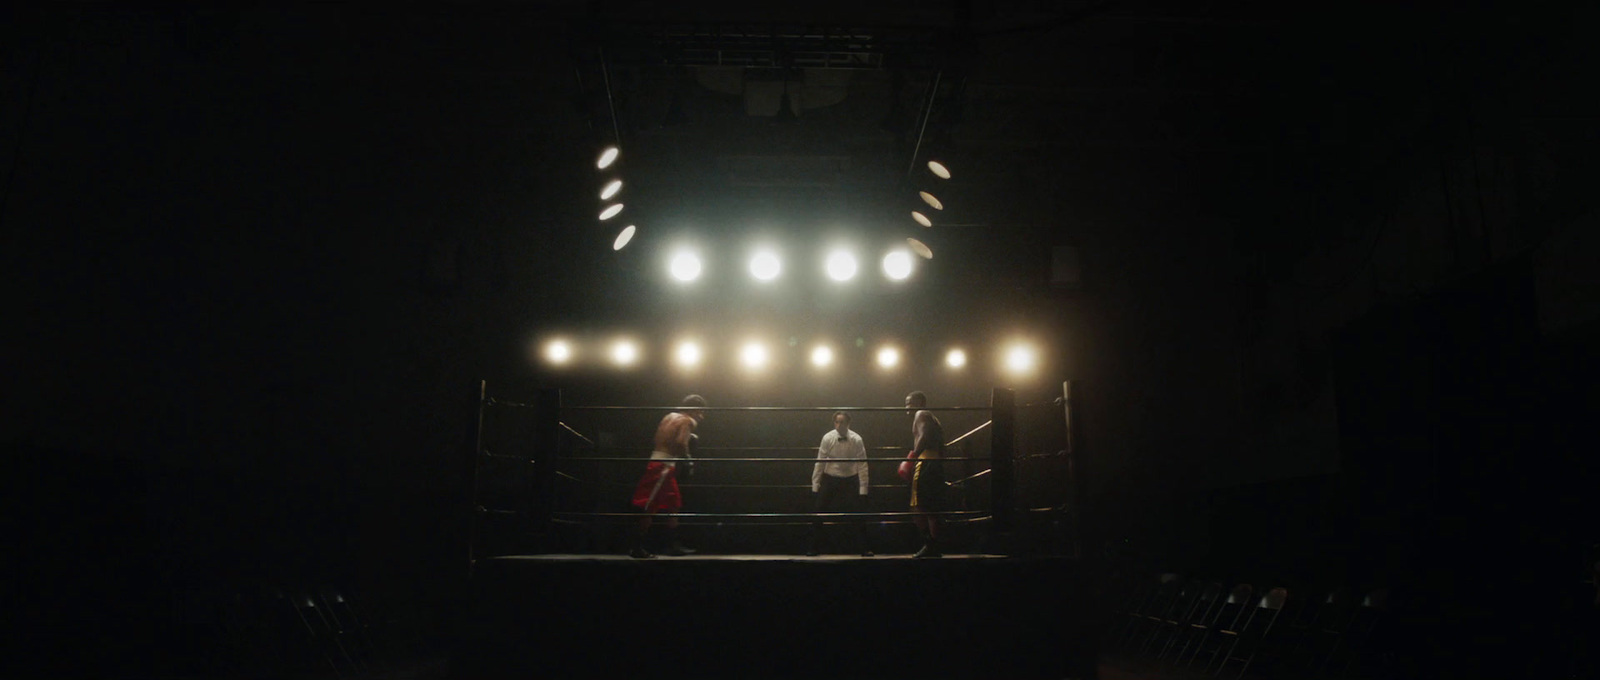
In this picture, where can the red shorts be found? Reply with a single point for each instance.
(661, 481)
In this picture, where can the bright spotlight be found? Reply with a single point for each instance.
(764, 266)
(921, 219)
(1021, 359)
(688, 354)
(610, 211)
(558, 352)
(888, 357)
(821, 356)
(623, 238)
(611, 189)
(841, 265)
(921, 249)
(955, 358)
(897, 265)
(753, 355)
(685, 266)
(624, 353)
(939, 169)
(931, 200)
(607, 157)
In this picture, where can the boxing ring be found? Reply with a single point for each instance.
(552, 592)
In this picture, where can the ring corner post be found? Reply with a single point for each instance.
(1085, 544)
(547, 432)
(1076, 490)
(1002, 443)
(474, 517)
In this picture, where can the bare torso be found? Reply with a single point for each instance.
(672, 435)
(927, 435)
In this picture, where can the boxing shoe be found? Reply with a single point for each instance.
(639, 553)
(679, 550)
(928, 550)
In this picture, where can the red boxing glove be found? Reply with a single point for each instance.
(908, 467)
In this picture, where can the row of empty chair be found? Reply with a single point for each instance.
(311, 631)
(1198, 626)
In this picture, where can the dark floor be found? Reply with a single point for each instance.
(276, 634)
(439, 669)
(729, 615)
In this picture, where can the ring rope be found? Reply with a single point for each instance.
(775, 448)
(828, 409)
(781, 448)
(772, 486)
(489, 511)
(969, 434)
(492, 401)
(575, 433)
(780, 515)
(968, 479)
(947, 520)
(501, 456)
(638, 459)
(691, 485)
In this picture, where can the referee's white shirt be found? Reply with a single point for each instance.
(840, 457)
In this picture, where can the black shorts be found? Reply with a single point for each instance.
(928, 490)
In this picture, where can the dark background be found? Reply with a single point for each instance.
(1335, 320)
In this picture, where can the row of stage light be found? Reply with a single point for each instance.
(1017, 358)
(686, 265)
(683, 265)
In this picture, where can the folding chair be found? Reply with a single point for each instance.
(1174, 616)
(1202, 614)
(1128, 594)
(1315, 627)
(1131, 594)
(1147, 605)
(1364, 643)
(320, 639)
(347, 627)
(271, 636)
(1248, 639)
(1152, 612)
(1228, 615)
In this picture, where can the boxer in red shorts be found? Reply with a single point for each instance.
(658, 489)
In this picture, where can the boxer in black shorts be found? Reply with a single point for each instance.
(924, 468)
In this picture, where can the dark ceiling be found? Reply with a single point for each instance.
(1014, 95)
(1055, 116)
